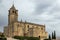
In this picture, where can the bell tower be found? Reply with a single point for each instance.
(13, 15)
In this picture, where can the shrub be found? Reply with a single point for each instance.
(3, 39)
(26, 38)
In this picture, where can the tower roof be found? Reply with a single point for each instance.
(13, 7)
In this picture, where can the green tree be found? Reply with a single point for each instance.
(49, 37)
(54, 35)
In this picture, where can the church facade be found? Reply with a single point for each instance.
(19, 28)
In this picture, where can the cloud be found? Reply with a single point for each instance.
(0, 1)
(37, 11)
(43, 6)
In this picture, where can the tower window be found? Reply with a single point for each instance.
(28, 26)
(13, 11)
(18, 25)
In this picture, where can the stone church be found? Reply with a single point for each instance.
(20, 28)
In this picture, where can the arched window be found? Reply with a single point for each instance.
(28, 26)
(41, 28)
(39, 36)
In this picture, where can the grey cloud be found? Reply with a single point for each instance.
(1, 1)
(40, 8)
(3, 20)
(42, 5)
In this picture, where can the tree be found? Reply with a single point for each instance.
(54, 35)
(49, 37)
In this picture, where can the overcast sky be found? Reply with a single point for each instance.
(46, 12)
